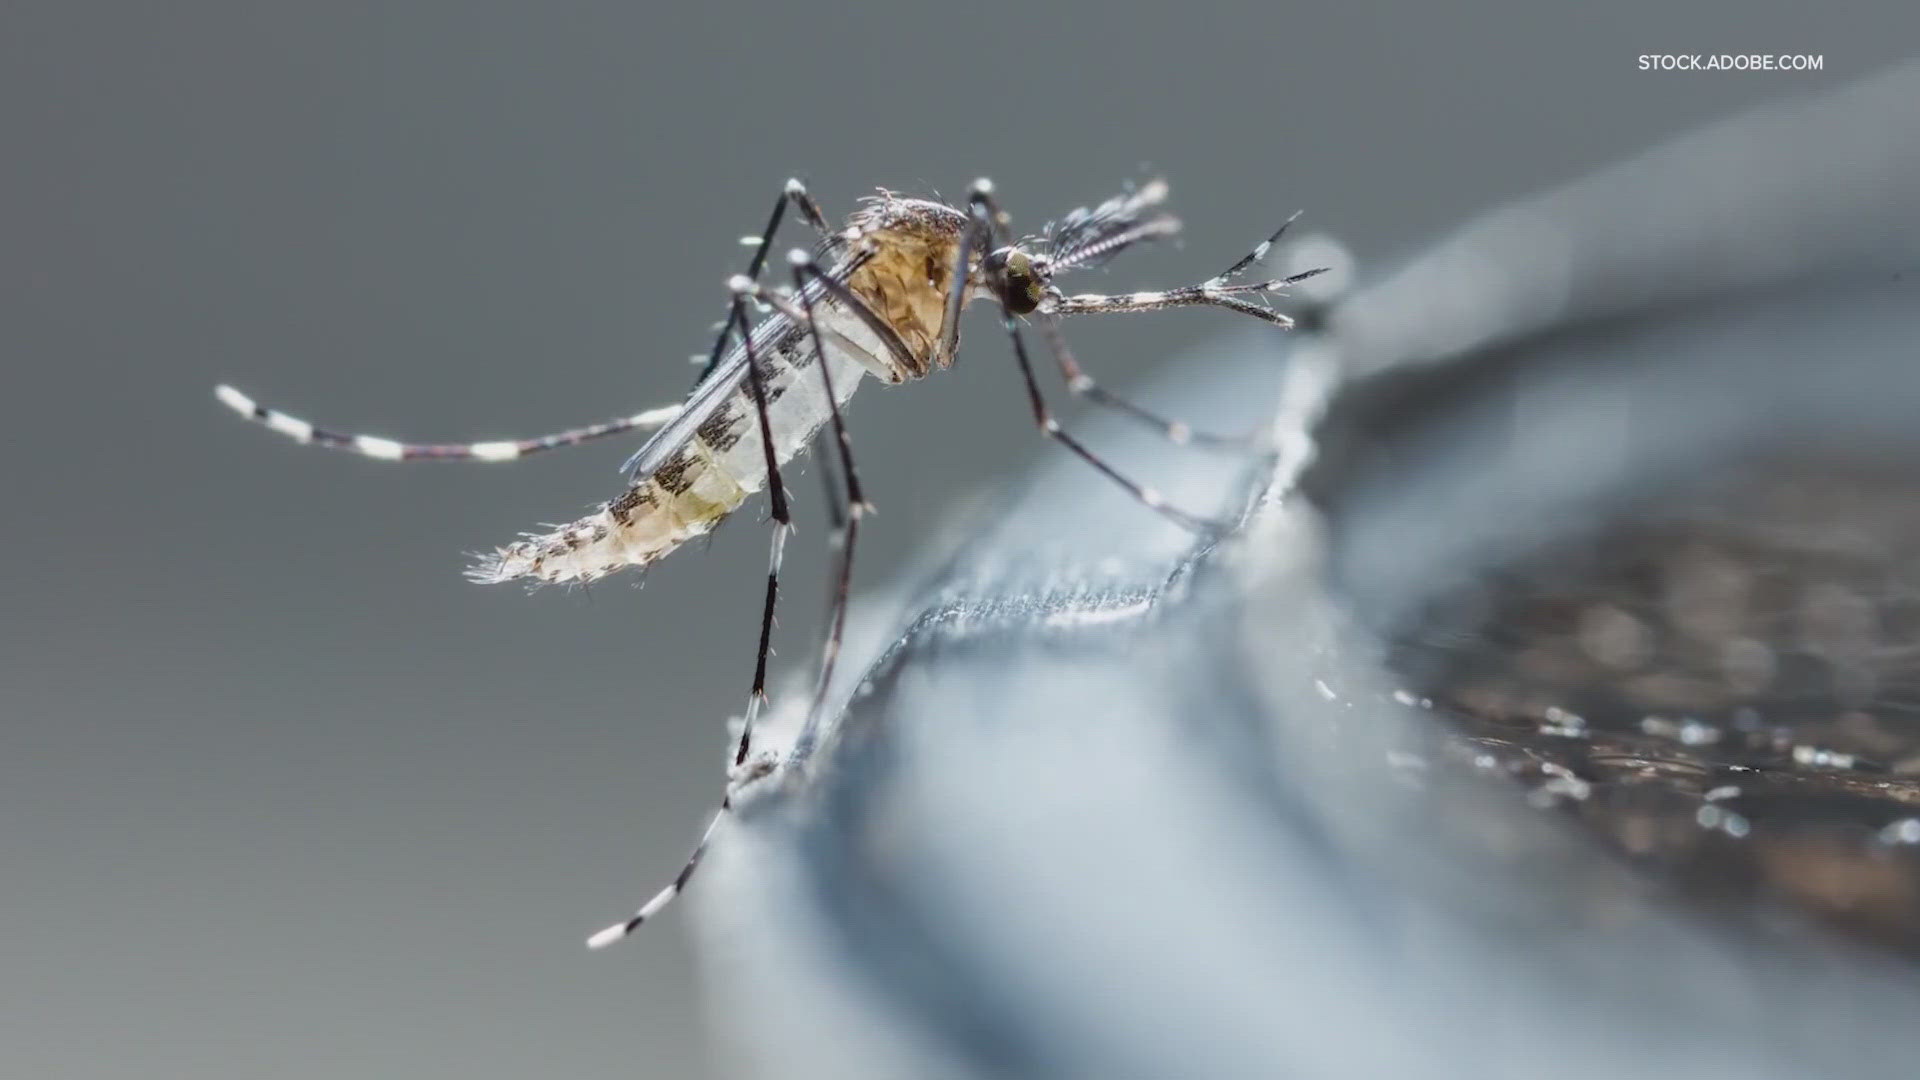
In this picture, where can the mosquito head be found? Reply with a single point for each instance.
(1018, 278)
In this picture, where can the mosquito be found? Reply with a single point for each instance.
(881, 297)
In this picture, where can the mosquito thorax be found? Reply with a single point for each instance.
(1018, 278)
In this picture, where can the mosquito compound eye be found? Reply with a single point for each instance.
(1021, 286)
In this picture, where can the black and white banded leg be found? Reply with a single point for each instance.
(836, 510)
(1079, 383)
(782, 526)
(1082, 385)
(855, 507)
(847, 514)
(384, 449)
(837, 518)
(796, 195)
(989, 221)
(620, 931)
(1214, 292)
(1043, 416)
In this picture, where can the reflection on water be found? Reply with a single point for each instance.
(1723, 684)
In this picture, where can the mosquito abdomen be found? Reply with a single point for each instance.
(702, 482)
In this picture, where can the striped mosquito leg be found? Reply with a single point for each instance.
(836, 513)
(1258, 253)
(857, 505)
(979, 235)
(1215, 290)
(982, 208)
(795, 193)
(849, 535)
(1052, 430)
(374, 446)
(1211, 293)
(1175, 431)
(782, 525)
(620, 931)
(836, 549)
(987, 214)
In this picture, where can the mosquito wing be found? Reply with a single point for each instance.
(771, 335)
(715, 389)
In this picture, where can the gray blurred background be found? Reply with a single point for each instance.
(280, 794)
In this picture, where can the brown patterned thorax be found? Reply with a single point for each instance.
(915, 243)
